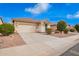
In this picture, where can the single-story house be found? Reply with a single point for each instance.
(30, 25)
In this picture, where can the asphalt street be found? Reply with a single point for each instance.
(74, 51)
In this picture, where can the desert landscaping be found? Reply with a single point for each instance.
(16, 41)
(11, 41)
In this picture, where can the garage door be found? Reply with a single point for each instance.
(26, 28)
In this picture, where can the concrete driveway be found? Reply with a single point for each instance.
(41, 45)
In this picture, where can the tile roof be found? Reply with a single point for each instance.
(29, 20)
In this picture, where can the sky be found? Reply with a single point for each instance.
(53, 12)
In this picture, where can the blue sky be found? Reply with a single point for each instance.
(54, 12)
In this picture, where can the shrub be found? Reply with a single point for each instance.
(61, 26)
(66, 31)
(49, 31)
(6, 29)
(72, 30)
(77, 27)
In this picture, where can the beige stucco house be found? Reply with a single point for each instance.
(30, 25)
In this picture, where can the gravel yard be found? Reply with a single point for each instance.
(64, 35)
(11, 41)
(59, 35)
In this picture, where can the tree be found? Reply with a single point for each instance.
(61, 26)
(1, 19)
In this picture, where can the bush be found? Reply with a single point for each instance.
(49, 31)
(77, 27)
(72, 30)
(61, 26)
(6, 29)
(66, 31)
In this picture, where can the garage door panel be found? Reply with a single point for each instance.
(26, 28)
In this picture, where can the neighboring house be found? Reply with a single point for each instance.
(70, 27)
(29, 25)
(54, 27)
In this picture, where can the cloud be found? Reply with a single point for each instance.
(76, 15)
(38, 8)
(69, 16)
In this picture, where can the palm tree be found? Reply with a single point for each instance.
(1, 20)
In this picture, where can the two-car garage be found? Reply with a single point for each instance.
(25, 28)
(28, 25)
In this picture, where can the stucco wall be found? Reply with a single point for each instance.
(42, 27)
